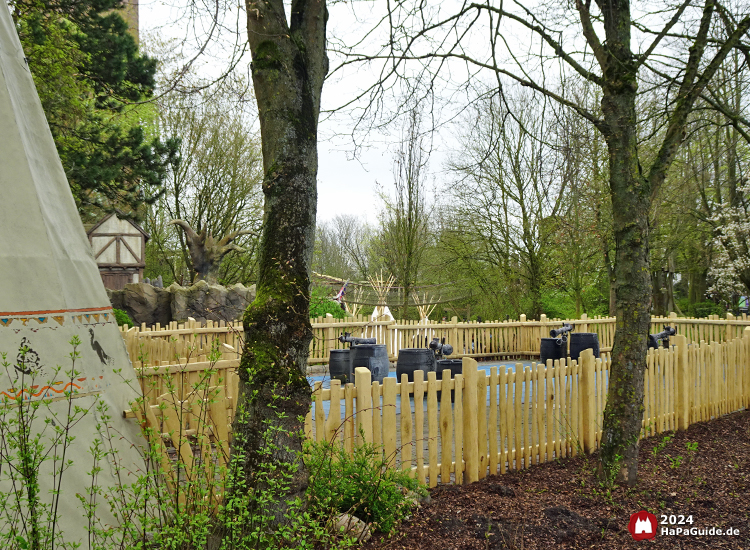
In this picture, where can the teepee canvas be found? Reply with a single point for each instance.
(50, 292)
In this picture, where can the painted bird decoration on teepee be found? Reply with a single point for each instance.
(51, 297)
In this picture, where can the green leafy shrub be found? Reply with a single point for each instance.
(361, 484)
(704, 309)
(123, 318)
(321, 302)
(557, 305)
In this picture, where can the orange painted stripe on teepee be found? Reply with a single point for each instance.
(33, 313)
(40, 392)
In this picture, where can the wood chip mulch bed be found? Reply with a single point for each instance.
(562, 504)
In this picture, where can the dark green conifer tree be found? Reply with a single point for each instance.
(92, 82)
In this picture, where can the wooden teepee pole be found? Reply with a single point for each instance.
(381, 286)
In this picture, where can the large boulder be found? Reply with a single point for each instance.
(238, 298)
(116, 298)
(203, 301)
(144, 303)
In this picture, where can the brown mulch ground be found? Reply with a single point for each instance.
(562, 504)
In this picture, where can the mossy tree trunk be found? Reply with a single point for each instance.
(289, 66)
(631, 192)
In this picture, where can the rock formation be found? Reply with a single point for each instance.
(202, 301)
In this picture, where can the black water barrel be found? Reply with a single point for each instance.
(455, 366)
(340, 365)
(552, 348)
(373, 357)
(411, 359)
(580, 341)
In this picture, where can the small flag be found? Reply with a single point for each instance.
(340, 296)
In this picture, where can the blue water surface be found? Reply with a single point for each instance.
(509, 366)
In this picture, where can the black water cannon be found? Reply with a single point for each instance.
(441, 348)
(653, 339)
(561, 332)
(347, 338)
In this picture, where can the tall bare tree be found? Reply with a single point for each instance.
(508, 192)
(683, 47)
(343, 246)
(405, 223)
(212, 185)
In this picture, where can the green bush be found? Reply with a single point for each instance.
(321, 302)
(704, 309)
(123, 318)
(361, 484)
(557, 305)
(684, 305)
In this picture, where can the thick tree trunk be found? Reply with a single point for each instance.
(624, 410)
(697, 286)
(289, 64)
(630, 194)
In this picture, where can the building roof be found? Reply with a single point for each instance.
(92, 228)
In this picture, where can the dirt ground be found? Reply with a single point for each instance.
(700, 475)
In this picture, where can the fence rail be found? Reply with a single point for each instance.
(166, 345)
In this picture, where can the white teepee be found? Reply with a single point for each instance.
(381, 286)
(51, 291)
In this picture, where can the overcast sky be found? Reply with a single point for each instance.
(345, 184)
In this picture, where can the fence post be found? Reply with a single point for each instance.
(584, 326)
(471, 422)
(683, 383)
(730, 328)
(457, 346)
(390, 338)
(330, 336)
(587, 396)
(363, 383)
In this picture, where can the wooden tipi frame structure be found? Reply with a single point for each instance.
(382, 287)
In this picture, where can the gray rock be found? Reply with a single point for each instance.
(203, 301)
(352, 526)
(415, 500)
(144, 303)
(116, 298)
(149, 303)
(238, 298)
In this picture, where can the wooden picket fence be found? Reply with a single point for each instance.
(186, 412)
(498, 339)
(501, 419)
(510, 419)
(180, 343)
(494, 339)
